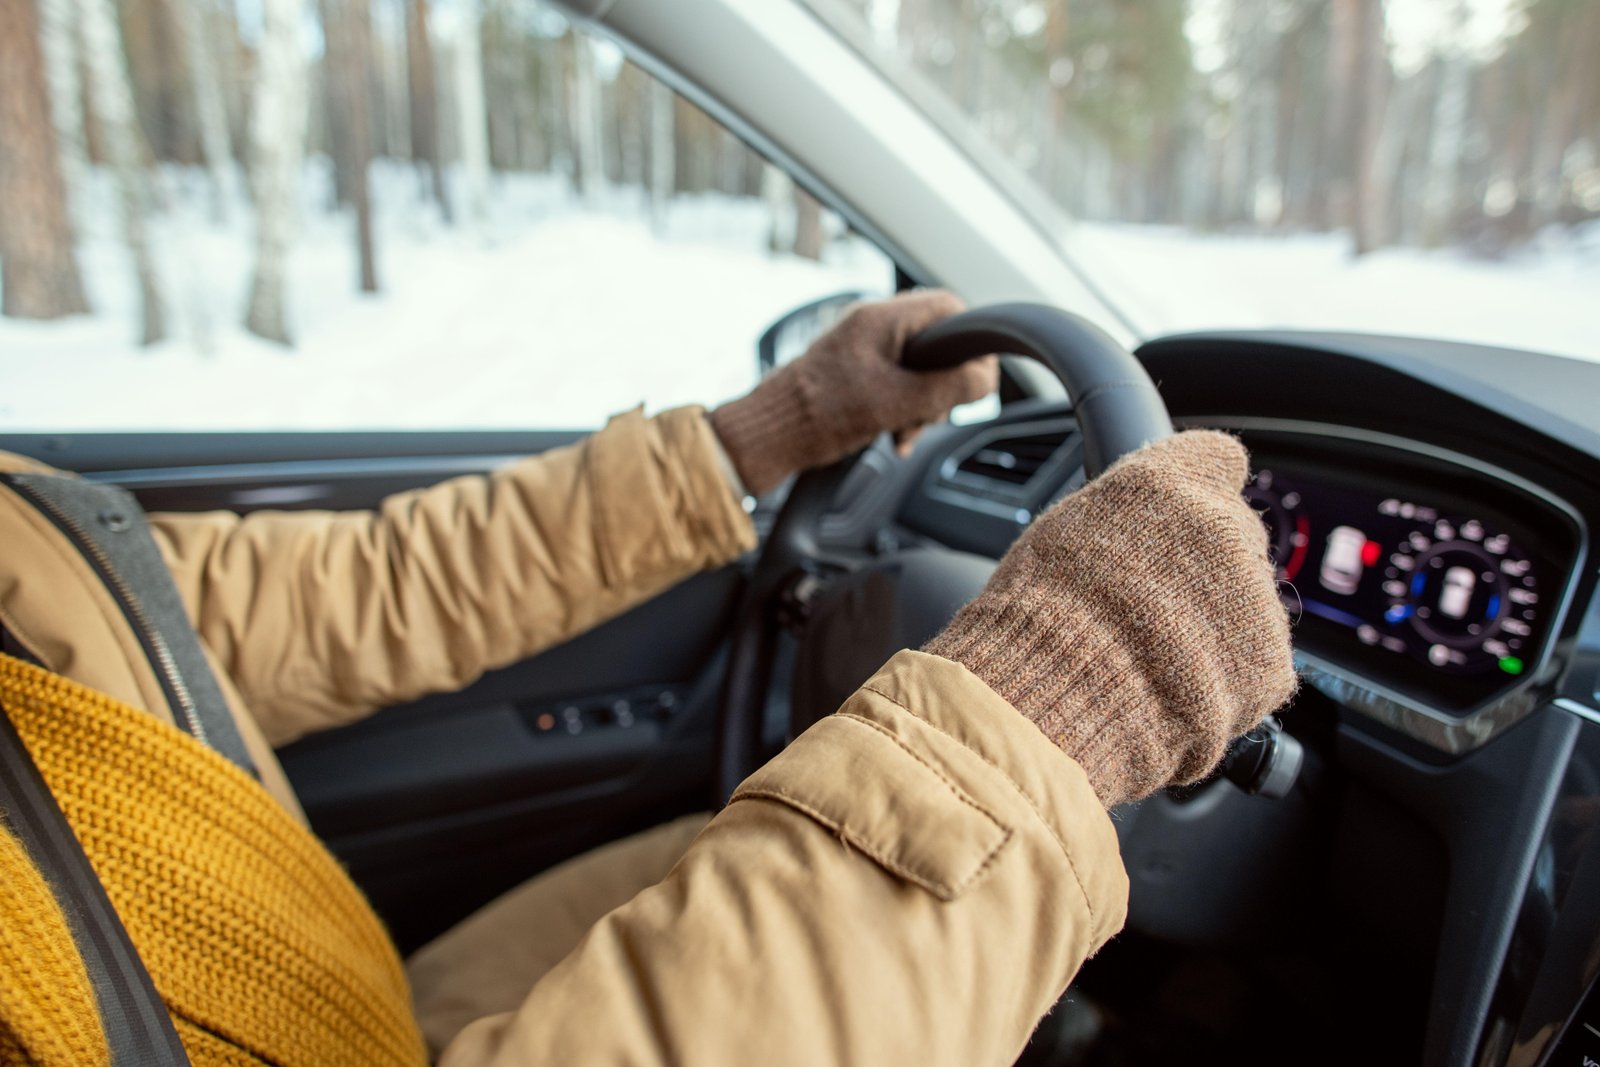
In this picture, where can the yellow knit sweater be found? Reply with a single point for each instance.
(260, 945)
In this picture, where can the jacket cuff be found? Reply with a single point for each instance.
(661, 500)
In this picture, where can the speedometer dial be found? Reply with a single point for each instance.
(1288, 531)
(1470, 594)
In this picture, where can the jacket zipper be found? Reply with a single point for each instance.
(150, 639)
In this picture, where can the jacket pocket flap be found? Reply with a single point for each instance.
(886, 801)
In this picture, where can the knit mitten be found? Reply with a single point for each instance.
(847, 388)
(1137, 622)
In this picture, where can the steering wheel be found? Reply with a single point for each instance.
(1117, 409)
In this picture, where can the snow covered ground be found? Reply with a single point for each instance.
(554, 315)
(1545, 298)
(558, 313)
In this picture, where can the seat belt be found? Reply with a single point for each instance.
(138, 1029)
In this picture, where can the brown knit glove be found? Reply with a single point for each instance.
(1137, 622)
(846, 389)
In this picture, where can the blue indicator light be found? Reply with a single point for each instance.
(1332, 614)
(1398, 613)
(1416, 585)
(1494, 607)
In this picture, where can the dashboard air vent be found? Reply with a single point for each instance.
(1011, 460)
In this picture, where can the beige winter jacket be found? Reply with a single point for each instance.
(914, 880)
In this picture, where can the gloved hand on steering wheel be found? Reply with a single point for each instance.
(848, 388)
(1137, 622)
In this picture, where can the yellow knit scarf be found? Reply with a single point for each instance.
(261, 946)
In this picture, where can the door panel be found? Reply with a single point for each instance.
(437, 806)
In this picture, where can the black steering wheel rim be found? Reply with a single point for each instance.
(1118, 410)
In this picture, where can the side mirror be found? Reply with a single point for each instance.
(793, 333)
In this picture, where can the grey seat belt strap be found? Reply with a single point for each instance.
(107, 526)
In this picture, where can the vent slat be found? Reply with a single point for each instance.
(1012, 461)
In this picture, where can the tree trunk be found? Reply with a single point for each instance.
(60, 33)
(473, 133)
(359, 17)
(1561, 113)
(587, 133)
(330, 120)
(347, 71)
(118, 124)
(663, 168)
(277, 136)
(553, 99)
(777, 189)
(38, 273)
(631, 94)
(808, 235)
(1369, 215)
(195, 16)
(424, 101)
(533, 149)
(500, 76)
(395, 98)
(1341, 90)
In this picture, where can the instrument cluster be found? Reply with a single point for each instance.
(1409, 579)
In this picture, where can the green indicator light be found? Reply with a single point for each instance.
(1511, 664)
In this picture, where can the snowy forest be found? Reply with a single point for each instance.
(234, 177)
(1403, 122)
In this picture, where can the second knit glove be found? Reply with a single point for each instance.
(1137, 622)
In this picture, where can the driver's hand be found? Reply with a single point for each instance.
(1137, 622)
(848, 388)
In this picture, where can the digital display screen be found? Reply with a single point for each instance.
(1430, 593)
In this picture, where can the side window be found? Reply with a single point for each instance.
(363, 214)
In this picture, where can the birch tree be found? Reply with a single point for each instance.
(588, 136)
(662, 142)
(38, 273)
(210, 108)
(359, 15)
(472, 117)
(63, 59)
(116, 121)
(277, 144)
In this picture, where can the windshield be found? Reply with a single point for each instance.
(1419, 167)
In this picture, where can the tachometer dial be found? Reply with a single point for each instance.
(1288, 530)
(1469, 593)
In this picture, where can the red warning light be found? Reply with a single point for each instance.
(1370, 553)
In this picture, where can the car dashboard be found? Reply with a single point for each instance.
(1428, 511)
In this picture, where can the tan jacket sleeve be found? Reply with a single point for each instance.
(914, 881)
(323, 617)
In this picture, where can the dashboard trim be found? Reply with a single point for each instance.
(1451, 733)
(1582, 711)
